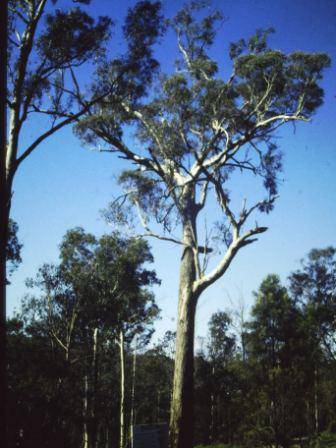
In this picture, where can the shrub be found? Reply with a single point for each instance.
(327, 440)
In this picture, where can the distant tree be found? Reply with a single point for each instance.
(196, 130)
(98, 295)
(221, 349)
(13, 253)
(314, 288)
(36, 409)
(154, 383)
(221, 343)
(277, 349)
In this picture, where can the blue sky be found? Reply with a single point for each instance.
(63, 184)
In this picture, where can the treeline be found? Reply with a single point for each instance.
(81, 369)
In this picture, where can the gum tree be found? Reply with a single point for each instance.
(42, 51)
(197, 131)
(47, 46)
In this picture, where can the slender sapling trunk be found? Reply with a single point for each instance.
(122, 390)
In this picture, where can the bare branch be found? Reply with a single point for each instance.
(149, 232)
(237, 243)
(47, 134)
(245, 213)
(203, 194)
(186, 57)
(283, 118)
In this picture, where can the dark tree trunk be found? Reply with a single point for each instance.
(122, 390)
(94, 427)
(4, 218)
(212, 407)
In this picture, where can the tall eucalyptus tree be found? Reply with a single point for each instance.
(197, 131)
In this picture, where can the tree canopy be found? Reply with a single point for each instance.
(196, 128)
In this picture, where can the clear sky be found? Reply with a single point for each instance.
(63, 185)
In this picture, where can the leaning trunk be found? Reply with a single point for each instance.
(122, 390)
(181, 419)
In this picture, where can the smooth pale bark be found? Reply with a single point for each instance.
(89, 399)
(132, 414)
(85, 413)
(181, 424)
(192, 284)
(122, 390)
(182, 406)
(107, 439)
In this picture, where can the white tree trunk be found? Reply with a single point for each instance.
(132, 416)
(181, 416)
(107, 441)
(85, 413)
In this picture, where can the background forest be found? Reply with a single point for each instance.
(78, 362)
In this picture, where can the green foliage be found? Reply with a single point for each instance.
(277, 345)
(71, 37)
(192, 116)
(327, 439)
(220, 445)
(13, 251)
(314, 286)
(153, 385)
(221, 344)
(147, 195)
(54, 42)
(103, 280)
